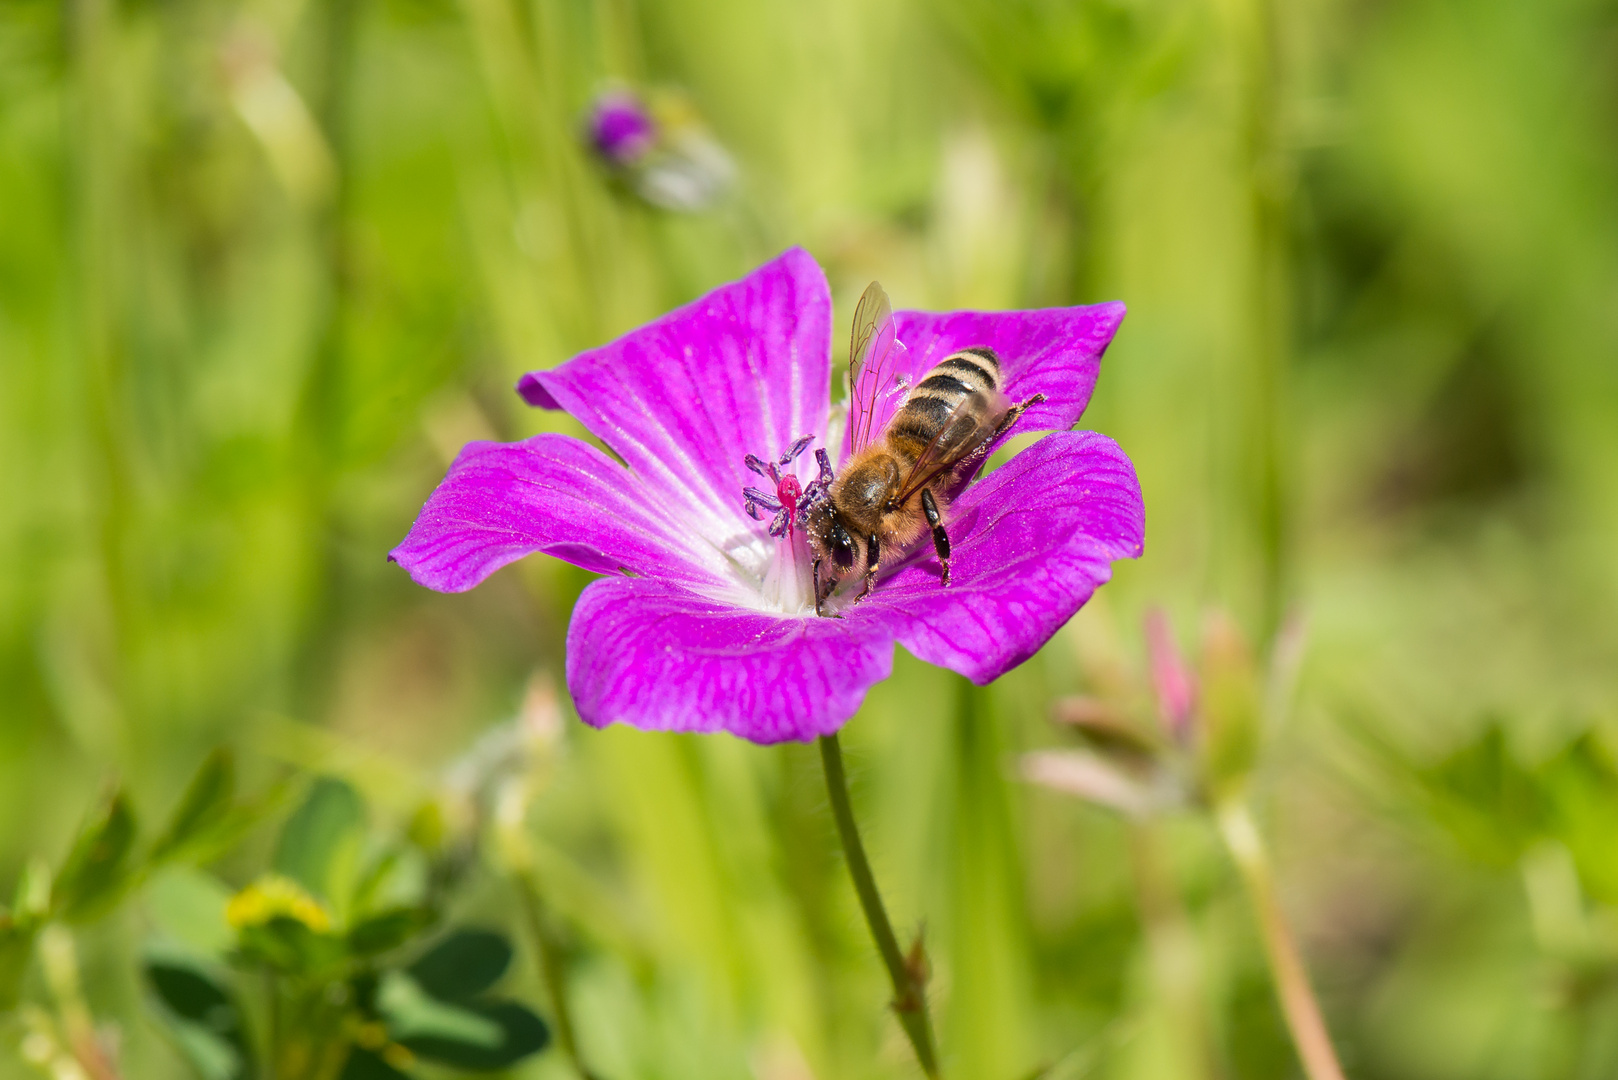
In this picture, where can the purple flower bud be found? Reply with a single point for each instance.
(1175, 685)
(620, 128)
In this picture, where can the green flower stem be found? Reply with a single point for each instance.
(550, 964)
(1172, 949)
(272, 1044)
(60, 959)
(1298, 1002)
(909, 984)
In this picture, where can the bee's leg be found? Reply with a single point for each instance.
(1013, 414)
(873, 556)
(929, 506)
(1018, 409)
(818, 597)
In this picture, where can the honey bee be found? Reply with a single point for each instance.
(900, 477)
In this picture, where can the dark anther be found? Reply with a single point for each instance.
(791, 499)
(753, 498)
(797, 448)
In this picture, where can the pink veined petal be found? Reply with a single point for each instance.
(659, 657)
(550, 493)
(744, 370)
(1050, 351)
(1031, 542)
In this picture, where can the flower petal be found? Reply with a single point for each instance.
(659, 657)
(1050, 351)
(683, 400)
(550, 493)
(1031, 542)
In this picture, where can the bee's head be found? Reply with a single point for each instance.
(831, 538)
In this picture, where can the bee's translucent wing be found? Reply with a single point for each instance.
(874, 352)
(965, 429)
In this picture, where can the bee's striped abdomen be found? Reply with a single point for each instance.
(977, 369)
(968, 373)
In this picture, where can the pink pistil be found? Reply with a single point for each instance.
(790, 499)
(788, 491)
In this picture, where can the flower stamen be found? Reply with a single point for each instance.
(791, 500)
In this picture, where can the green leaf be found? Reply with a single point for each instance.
(387, 930)
(203, 809)
(16, 948)
(363, 986)
(1490, 804)
(204, 1018)
(1579, 788)
(97, 869)
(363, 1064)
(463, 965)
(285, 944)
(32, 903)
(375, 878)
(412, 1013)
(327, 823)
(191, 995)
(188, 905)
(521, 1033)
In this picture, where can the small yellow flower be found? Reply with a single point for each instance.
(273, 896)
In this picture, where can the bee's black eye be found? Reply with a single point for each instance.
(842, 546)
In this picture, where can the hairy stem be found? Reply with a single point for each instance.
(909, 981)
(550, 965)
(1298, 1002)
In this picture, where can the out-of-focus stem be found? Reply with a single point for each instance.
(320, 403)
(909, 985)
(1268, 356)
(1172, 946)
(1298, 1002)
(60, 960)
(95, 172)
(272, 1003)
(550, 964)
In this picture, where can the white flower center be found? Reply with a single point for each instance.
(773, 575)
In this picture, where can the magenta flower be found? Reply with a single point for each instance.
(704, 620)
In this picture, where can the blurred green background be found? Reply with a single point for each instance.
(264, 266)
